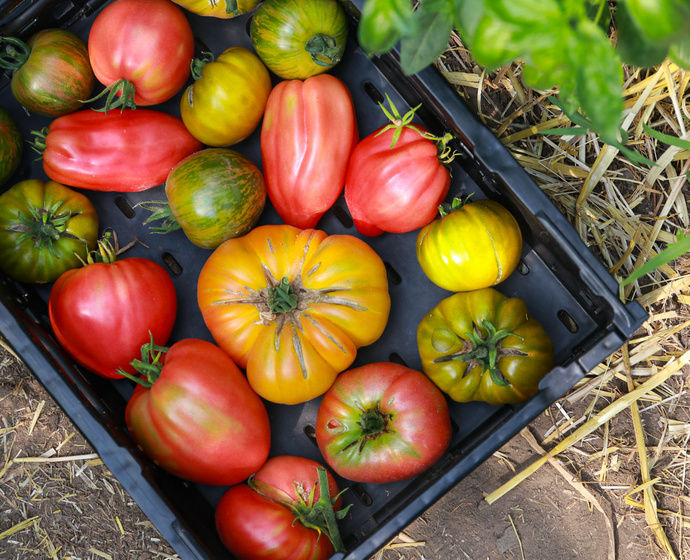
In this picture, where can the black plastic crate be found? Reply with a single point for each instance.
(566, 288)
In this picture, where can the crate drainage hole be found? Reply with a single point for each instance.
(393, 276)
(310, 432)
(125, 207)
(568, 321)
(172, 264)
(375, 95)
(522, 268)
(362, 494)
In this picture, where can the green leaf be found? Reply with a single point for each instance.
(660, 21)
(599, 79)
(468, 14)
(679, 52)
(667, 138)
(383, 23)
(632, 46)
(672, 252)
(421, 49)
(572, 131)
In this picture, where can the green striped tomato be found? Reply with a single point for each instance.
(215, 194)
(52, 73)
(298, 39)
(11, 146)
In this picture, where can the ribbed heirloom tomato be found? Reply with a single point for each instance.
(293, 306)
(484, 346)
(194, 414)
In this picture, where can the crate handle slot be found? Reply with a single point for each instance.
(171, 263)
(568, 321)
(125, 207)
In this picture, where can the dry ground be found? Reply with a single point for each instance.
(617, 487)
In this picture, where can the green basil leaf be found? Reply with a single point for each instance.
(468, 14)
(634, 47)
(660, 20)
(422, 49)
(382, 24)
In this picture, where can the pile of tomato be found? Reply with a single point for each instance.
(288, 305)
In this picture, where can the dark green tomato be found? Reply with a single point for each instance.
(215, 195)
(45, 228)
(297, 39)
(10, 146)
(52, 72)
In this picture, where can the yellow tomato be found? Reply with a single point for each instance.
(228, 98)
(292, 306)
(223, 9)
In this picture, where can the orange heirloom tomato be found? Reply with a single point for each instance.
(292, 306)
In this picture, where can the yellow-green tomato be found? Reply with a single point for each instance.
(223, 9)
(227, 99)
(473, 245)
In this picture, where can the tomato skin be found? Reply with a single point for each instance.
(56, 76)
(237, 79)
(476, 246)
(416, 434)
(305, 120)
(223, 9)
(200, 420)
(11, 146)
(148, 42)
(26, 255)
(342, 304)
(282, 31)
(254, 523)
(130, 150)
(443, 333)
(395, 189)
(102, 313)
(215, 195)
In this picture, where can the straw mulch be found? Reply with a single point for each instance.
(626, 214)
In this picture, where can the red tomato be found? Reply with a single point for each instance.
(129, 150)
(147, 44)
(269, 518)
(382, 422)
(102, 313)
(197, 417)
(395, 185)
(308, 133)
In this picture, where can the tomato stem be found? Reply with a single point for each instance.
(197, 64)
(160, 210)
(124, 101)
(457, 203)
(45, 227)
(282, 297)
(16, 53)
(324, 50)
(150, 366)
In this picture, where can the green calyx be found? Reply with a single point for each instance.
(15, 53)
(232, 8)
(485, 352)
(324, 50)
(314, 514)
(449, 207)
(282, 297)
(373, 423)
(124, 101)
(44, 227)
(197, 64)
(160, 210)
(398, 122)
(149, 367)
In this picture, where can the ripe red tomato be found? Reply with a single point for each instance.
(275, 515)
(144, 44)
(103, 313)
(302, 122)
(128, 151)
(395, 185)
(196, 416)
(382, 422)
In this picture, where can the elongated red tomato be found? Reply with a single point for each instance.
(195, 415)
(129, 150)
(103, 313)
(147, 44)
(308, 133)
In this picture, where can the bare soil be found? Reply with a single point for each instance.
(77, 510)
